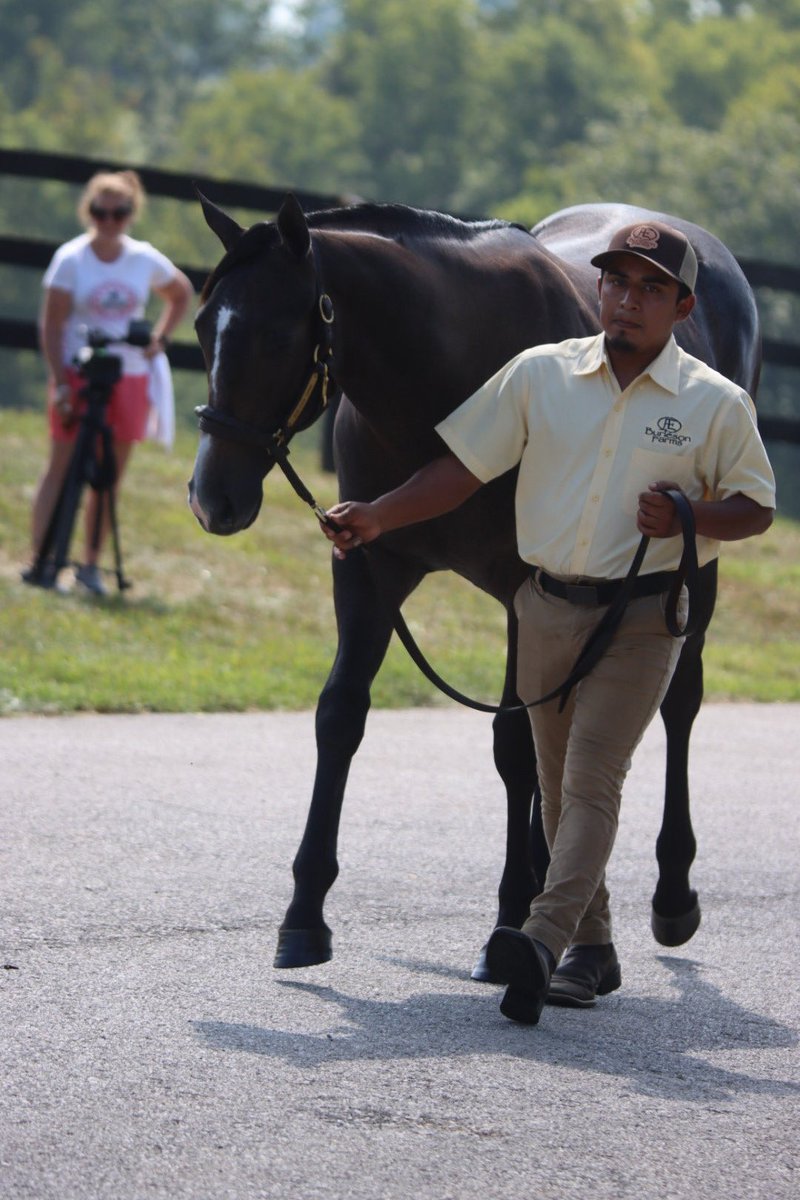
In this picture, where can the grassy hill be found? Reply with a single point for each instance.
(247, 622)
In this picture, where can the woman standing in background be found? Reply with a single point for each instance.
(100, 281)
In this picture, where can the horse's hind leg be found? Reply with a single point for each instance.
(364, 628)
(675, 914)
(526, 849)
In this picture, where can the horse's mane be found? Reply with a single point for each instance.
(395, 221)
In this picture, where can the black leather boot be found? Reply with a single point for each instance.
(526, 966)
(584, 973)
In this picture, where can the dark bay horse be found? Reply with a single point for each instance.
(405, 313)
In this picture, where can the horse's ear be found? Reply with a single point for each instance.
(227, 230)
(293, 227)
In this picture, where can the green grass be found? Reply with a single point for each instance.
(247, 622)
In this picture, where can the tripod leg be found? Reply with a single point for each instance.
(59, 528)
(109, 480)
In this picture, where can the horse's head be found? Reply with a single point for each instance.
(260, 325)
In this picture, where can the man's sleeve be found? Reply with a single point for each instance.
(488, 432)
(742, 464)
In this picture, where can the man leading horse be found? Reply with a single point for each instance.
(602, 428)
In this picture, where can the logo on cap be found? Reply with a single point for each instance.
(643, 237)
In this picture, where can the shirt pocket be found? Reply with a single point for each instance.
(648, 466)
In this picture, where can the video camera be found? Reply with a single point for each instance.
(98, 367)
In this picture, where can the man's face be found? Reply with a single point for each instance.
(639, 305)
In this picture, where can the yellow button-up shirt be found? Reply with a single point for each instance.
(586, 450)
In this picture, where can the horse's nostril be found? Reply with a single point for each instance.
(224, 518)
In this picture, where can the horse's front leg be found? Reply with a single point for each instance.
(364, 628)
(675, 913)
(526, 849)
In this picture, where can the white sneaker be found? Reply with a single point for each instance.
(88, 575)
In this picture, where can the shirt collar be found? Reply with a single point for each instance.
(593, 356)
(663, 370)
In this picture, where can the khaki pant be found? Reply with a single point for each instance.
(584, 753)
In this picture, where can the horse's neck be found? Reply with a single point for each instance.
(365, 268)
(419, 326)
(419, 279)
(386, 298)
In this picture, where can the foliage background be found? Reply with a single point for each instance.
(510, 108)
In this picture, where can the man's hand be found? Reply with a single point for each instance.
(438, 487)
(358, 525)
(657, 516)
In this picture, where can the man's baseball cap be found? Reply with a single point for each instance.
(659, 244)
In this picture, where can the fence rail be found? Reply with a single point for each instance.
(67, 168)
(36, 253)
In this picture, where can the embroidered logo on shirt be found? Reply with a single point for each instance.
(667, 432)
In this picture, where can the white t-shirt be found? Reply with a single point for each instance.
(107, 296)
(586, 450)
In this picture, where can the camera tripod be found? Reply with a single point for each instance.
(92, 463)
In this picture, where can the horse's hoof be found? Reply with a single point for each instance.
(481, 972)
(303, 947)
(674, 931)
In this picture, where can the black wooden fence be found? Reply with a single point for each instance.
(36, 253)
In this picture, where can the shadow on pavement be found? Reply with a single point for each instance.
(655, 1043)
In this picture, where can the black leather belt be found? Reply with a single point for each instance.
(595, 595)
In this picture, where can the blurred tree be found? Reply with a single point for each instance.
(277, 127)
(540, 80)
(146, 57)
(703, 176)
(706, 65)
(145, 43)
(406, 68)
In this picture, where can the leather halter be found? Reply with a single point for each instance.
(300, 416)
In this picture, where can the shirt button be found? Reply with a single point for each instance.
(595, 499)
(607, 453)
(617, 406)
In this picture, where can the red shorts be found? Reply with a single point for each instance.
(126, 412)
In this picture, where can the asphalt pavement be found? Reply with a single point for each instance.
(150, 1050)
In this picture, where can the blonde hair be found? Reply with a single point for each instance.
(125, 184)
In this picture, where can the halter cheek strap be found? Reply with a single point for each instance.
(276, 442)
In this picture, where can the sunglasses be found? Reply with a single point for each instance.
(115, 214)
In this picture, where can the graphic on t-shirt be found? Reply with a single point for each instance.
(113, 301)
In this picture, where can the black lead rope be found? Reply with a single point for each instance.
(601, 636)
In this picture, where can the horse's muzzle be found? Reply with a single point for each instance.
(196, 506)
(226, 488)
